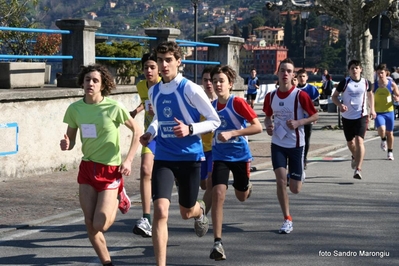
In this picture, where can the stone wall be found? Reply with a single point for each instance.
(39, 114)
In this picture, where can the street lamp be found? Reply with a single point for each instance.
(304, 16)
(195, 4)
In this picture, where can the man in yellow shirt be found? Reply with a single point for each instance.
(206, 166)
(384, 88)
(150, 68)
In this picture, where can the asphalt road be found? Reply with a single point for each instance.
(337, 221)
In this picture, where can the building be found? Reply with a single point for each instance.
(324, 35)
(271, 35)
(293, 14)
(268, 58)
(246, 58)
(265, 59)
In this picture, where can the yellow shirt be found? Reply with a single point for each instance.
(383, 99)
(206, 139)
(142, 89)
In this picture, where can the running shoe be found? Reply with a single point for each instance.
(201, 226)
(357, 174)
(250, 189)
(353, 162)
(124, 202)
(286, 228)
(143, 228)
(383, 145)
(303, 177)
(390, 156)
(217, 252)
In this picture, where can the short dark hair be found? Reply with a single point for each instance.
(169, 46)
(301, 71)
(354, 62)
(146, 57)
(286, 61)
(381, 67)
(227, 70)
(207, 69)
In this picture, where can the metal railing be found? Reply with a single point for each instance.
(182, 43)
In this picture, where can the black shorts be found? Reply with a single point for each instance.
(355, 127)
(187, 175)
(251, 97)
(241, 171)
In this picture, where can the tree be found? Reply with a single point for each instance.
(159, 19)
(47, 44)
(257, 21)
(355, 14)
(124, 68)
(236, 30)
(288, 32)
(14, 13)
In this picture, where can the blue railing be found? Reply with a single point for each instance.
(183, 43)
(35, 30)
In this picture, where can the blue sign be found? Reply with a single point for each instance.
(11, 125)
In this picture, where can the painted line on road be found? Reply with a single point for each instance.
(346, 148)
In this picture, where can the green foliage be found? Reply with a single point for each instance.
(288, 32)
(159, 19)
(124, 68)
(14, 13)
(257, 21)
(61, 168)
(236, 30)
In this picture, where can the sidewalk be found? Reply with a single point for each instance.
(41, 198)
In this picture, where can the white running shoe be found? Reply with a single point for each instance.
(357, 174)
(303, 177)
(143, 228)
(383, 145)
(390, 156)
(286, 228)
(217, 252)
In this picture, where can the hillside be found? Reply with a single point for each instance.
(116, 15)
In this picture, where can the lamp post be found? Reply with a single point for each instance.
(195, 4)
(304, 16)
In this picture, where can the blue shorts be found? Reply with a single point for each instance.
(385, 119)
(293, 157)
(206, 166)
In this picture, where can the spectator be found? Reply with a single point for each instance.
(327, 87)
(395, 75)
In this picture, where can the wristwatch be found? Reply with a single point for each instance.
(190, 129)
